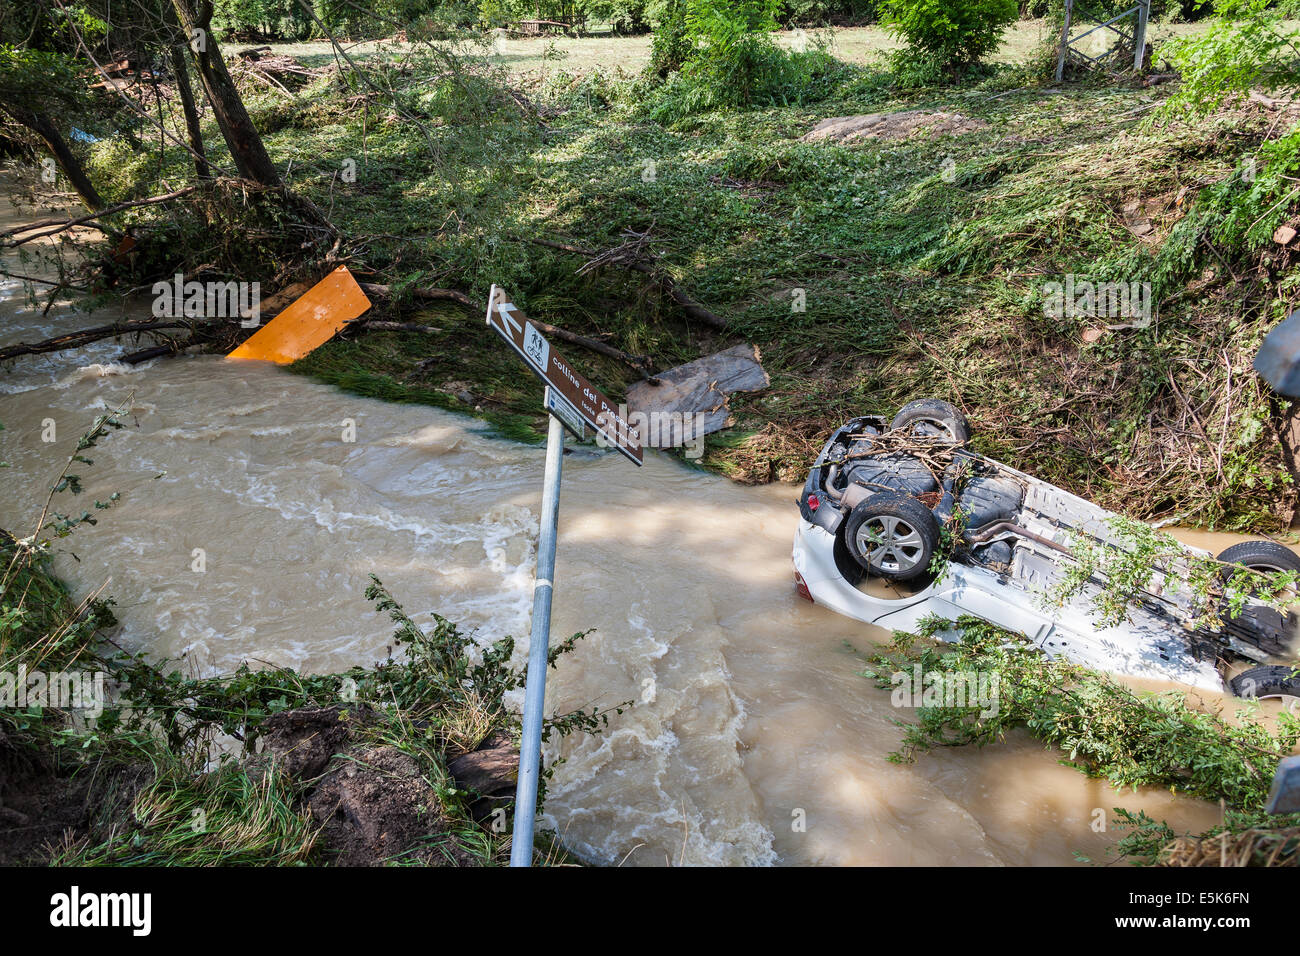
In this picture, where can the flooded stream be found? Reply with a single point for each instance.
(753, 739)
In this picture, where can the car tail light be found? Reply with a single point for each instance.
(813, 502)
(802, 587)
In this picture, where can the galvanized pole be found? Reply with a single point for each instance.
(530, 746)
(1065, 42)
(1140, 35)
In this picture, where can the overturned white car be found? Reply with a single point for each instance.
(906, 502)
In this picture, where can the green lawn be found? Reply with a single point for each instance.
(859, 45)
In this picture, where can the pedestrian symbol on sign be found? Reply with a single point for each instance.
(536, 346)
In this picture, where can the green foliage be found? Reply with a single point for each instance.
(948, 34)
(732, 51)
(39, 79)
(819, 12)
(440, 674)
(1137, 558)
(1246, 46)
(263, 18)
(672, 43)
(1244, 209)
(1103, 728)
(724, 57)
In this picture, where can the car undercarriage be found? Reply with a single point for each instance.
(905, 501)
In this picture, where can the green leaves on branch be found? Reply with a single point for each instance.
(1139, 559)
(1247, 45)
(947, 35)
(1103, 728)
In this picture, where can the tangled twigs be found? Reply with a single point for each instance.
(934, 452)
(634, 253)
(634, 248)
(1258, 846)
(640, 363)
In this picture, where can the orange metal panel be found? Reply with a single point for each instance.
(308, 322)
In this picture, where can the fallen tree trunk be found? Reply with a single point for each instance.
(61, 225)
(73, 340)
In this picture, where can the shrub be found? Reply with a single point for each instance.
(1246, 46)
(670, 47)
(720, 53)
(950, 34)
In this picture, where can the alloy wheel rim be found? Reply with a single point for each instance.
(890, 544)
(933, 428)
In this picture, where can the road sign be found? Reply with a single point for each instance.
(575, 404)
(572, 396)
(560, 407)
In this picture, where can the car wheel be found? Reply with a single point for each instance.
(1266, 556)
(933, 418)
(1269, 682)
(892, 536)
(845, 563)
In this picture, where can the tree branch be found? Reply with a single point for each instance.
(65, 224)
(640, 363)
(597, 259)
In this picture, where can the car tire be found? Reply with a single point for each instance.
(1265, 556)
(933, 417)
(845, 563)
(892, 536)
(1268, 681)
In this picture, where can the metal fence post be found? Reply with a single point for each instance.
(1140, 35)
(1065, 42)
(530, 746)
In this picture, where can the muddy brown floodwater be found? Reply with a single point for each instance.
(753, 739)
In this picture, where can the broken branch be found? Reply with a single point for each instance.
(632, 255)
(64, 224)
(641, 363)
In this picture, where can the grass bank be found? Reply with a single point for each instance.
(868, 273)
(110, 758)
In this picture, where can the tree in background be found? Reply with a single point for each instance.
(242, 138)
(35, 87)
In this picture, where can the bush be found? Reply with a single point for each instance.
(670, 46)
(950, 34)
(721, 54)
(1246, 46)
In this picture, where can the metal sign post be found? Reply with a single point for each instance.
(573, 403)
(539, 644)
